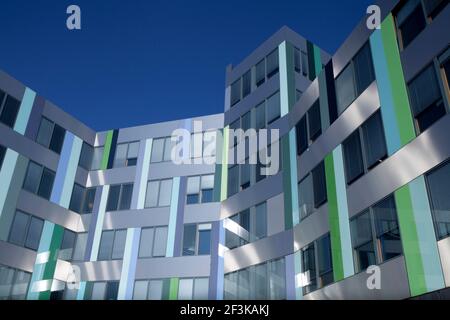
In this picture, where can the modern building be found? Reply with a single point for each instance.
(359, 207)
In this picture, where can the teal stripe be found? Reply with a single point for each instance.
(293, 177)
(173, 217)
(298, 271)
(344, 224)
(385, 93)
(81, 291)
(25, 110)
(434, 277)
(99, 224)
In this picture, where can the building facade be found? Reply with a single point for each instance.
(358, 206)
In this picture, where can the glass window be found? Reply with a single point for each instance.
(9, 112)
(260, 116)
(244, 176)
(6, 282)
(140, 290)
(260, 73)
(315, 125)
(86, 156)
(320, 185)
(168, 147)
(277, 279)
(201, 288)
(363, 245)
(88, 204)
(125, 197)
(112, 288)
(297, 63)
(18, 231)
(309, 269)
(98, 291)
(46, 185)
(410, 21)
(306, 196)
(193, 190)
(374, 141)
(426, 99)
(113, 198)
(57, 141)
(157, 150)
(77, 198)
(34, 233)
(32, 177)
(121, 155)
(345, 89)
(45, 132)
(160, 242)
(204, 241)
(233, 180)
(97, 158)
(189, 238)
(260, 229)
(106, 245)
(67, 245)
(80, 247)
(185, 289)
(165, 193)
(20, 287)
(304, 57)
(325, 266)
(246, 84)
(302, 136)
(364, 72)
(2, 155)
(272, 64)
(207, 185)
(119, 244)
(151, 200)
(146, 244)
(273, 108)
(235, 92)
(354, 166)
(434, 7)
(439, 190)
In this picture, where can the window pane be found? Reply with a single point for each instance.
(424, 90)
(133, 150)
(431, 115)
(189, 237)
(89, 199)
(120, 159)
(246, 121)
(434, 7)
(119, 244)
(315, 125)
(246, 84)
(304, 64)
(439, 190)
(201, 288)
(245, 176)
(86, 156)
(168, 147)
(209, 143)
(233, 180)
(207, 196)
(374, 142)
(165, 193)
(364, 72)
(261, 221)
(106, 245)
(159, 249)
(388, 233)
(2, 155)
(261, 282)
(67, 245)
(320, 185)
(185, 289)
(277, 280)
(125, 198)
(364, 250)
(193, 185)
(112, 288)
(34, 233)
(345, 89)
(10, 111)
(204, 242)
(236, 92)
(309, 268)
(208, 182)
(353, 157)
(297, 66)
(302, 136)
(20, 287)
(140, 290)
(6, 282)
(412, 24)
(113, 198)
(325, 265)
(306, 197)
(97, 158)
(46, 185)
(155, 290)
(77, 198)
(19, 227)
(45, 132)
(57, 141)
(98, 291)
(260, 73)
(273, 108)
(151, 200)
(33, 177)
(243, 284)
(146, 244)
(260, 116)
(272, 64)
(157, 150)
(80, 247)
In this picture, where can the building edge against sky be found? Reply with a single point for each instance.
(364, 180)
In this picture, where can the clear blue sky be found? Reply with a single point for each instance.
(145, 61)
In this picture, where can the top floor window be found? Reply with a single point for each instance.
(126, 154)
(9, 108)
(51, 135)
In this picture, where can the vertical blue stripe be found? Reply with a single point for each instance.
(63, 165)
(24, 111)
(71, 171)
(6, 175)
(293, 177)
(344, 223)
(385, 93)
(434, 277)
(284, 79)
(173, 217)
(99, 224)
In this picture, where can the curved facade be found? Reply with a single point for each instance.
(358, 209)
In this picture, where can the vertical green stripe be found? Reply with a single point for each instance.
(400, 95)
(410, 241)
(107, 150)
(288, 221)
(333, 217)
(173, 290)
(317, 60)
